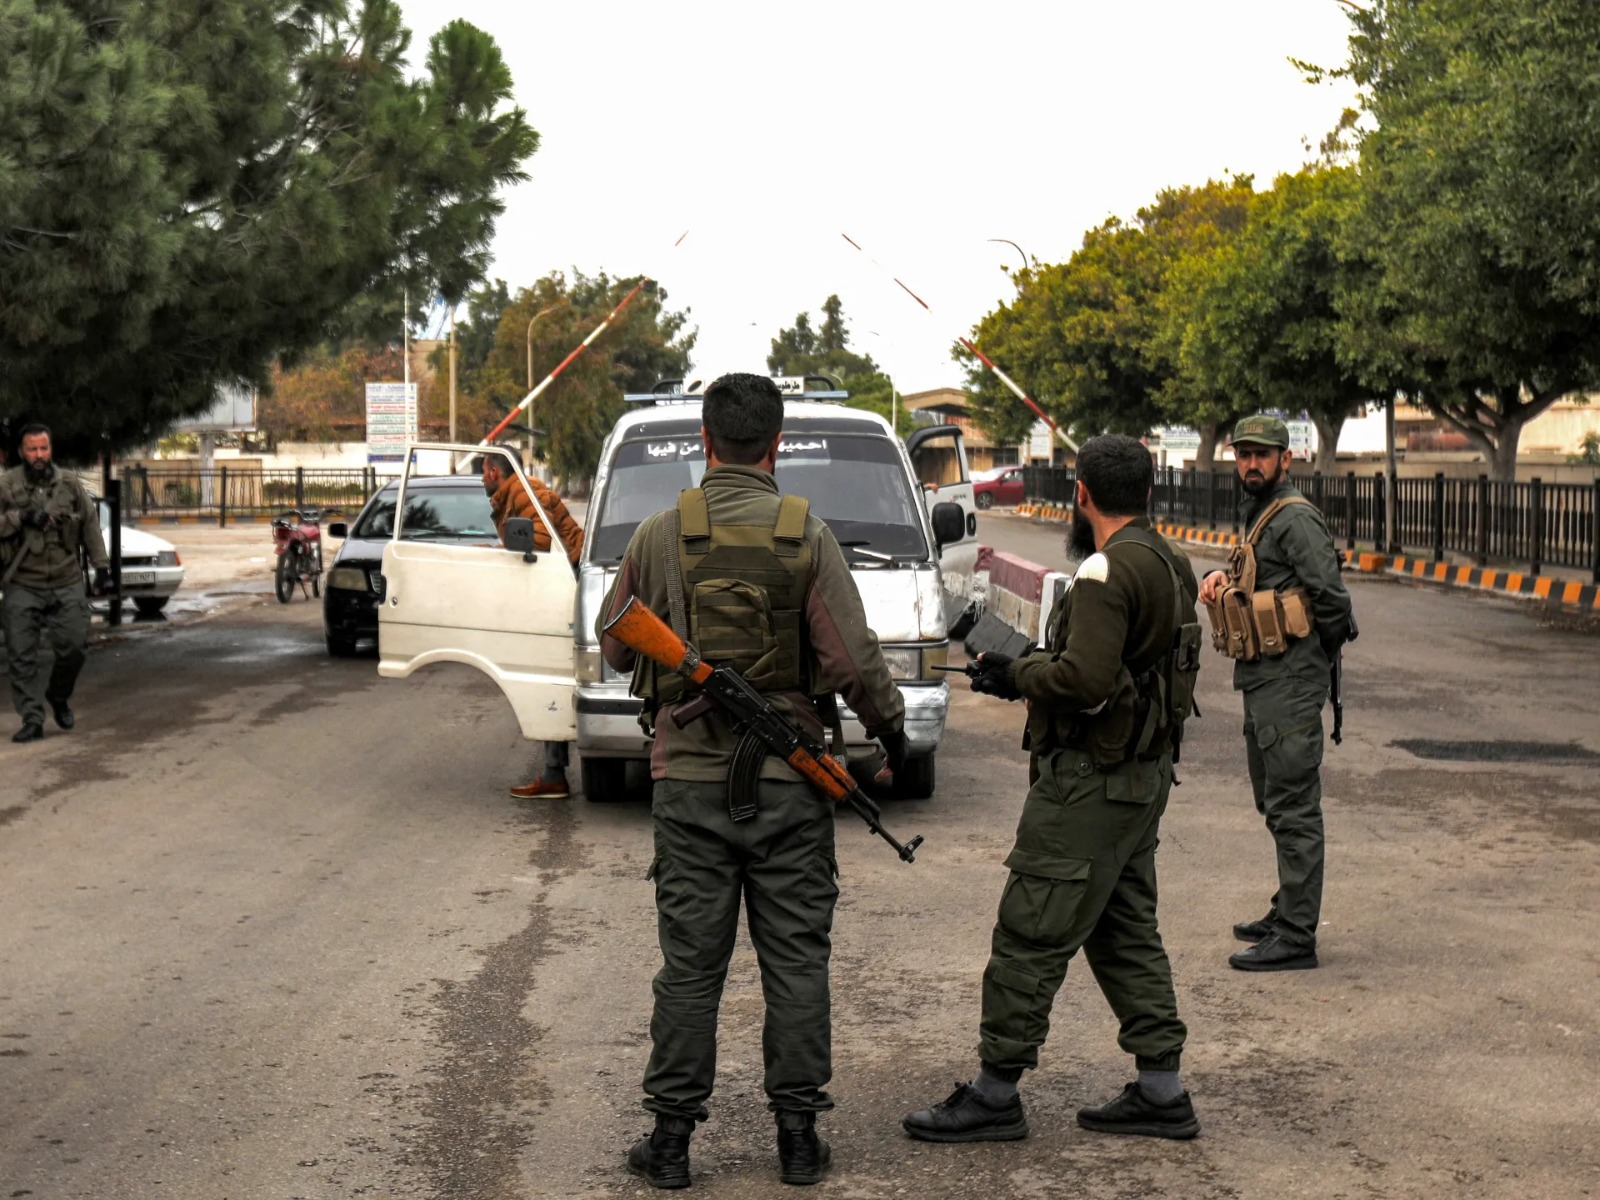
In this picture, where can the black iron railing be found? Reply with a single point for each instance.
(224, 492)
(1542, 524)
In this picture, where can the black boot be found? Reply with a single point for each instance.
(663, 1156)
(1272, 953)
(63, 714)
(1134, 1112)
(803, 1157)
(1254, 931)
(28, 733)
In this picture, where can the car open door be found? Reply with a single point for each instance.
(505, 612)
(939, 461)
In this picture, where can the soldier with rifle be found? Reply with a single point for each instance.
(761, 588)
(1282, 613)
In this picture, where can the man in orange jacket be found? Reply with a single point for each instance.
(507, 499)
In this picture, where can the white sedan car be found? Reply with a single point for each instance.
(151, 569)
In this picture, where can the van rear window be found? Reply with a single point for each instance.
(856, 483)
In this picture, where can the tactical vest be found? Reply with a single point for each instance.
(741, 591)
(1247, 624)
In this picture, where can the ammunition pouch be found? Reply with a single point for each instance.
(1247, 625)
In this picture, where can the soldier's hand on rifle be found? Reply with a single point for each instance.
(1211, 585)
(994, 679)
(102, 580)
(36, 518)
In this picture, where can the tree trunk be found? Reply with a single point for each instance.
(1503, 462)
(1205, 455)
(1327, 443)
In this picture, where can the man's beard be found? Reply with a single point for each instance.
(1080, 537)
(37, 472)
(1259, 483)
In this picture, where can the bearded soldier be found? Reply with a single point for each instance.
(1294, 617)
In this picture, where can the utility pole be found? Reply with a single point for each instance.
(1390, 478)
(452, 372)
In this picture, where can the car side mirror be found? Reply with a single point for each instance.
(949, 523)
(339, 530)
(518, 535)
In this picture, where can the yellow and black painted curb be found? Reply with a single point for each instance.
(1568, 593)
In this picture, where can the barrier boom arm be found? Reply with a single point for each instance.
(563, 365)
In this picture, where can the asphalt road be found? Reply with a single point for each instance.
(270, 927)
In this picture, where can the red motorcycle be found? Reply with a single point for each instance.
(297, 541)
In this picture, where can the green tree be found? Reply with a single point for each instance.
(801, 350)
(1095, 339)
(1478, 207)
(574, 415)
(188, 195)
(1261, 323)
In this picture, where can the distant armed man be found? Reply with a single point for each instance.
(1282, 612)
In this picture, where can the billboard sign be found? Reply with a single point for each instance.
(391, 421)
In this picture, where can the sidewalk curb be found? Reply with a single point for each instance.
(1584, 597)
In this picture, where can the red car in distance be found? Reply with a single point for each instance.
(1000, 485)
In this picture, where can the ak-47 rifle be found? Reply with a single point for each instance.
(750, 713)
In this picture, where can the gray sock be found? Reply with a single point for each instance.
(994, 1087)
(1161, 1087)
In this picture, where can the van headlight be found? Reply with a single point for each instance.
(589, 665)
(350, 579)
(904, 663)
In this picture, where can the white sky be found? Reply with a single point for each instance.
(922, 130)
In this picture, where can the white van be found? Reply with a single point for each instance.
(523, 620)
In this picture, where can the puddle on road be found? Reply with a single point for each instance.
(1504, 751)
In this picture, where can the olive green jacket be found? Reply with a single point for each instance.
(1115, 622)
(48, 559)
(844, 650)
(1296, 550)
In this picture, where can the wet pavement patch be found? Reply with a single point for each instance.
(1508, 752)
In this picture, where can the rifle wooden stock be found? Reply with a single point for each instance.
(639, 629)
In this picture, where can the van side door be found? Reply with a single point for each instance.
(939, 461)
(506, 612)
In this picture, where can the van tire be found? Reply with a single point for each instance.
(604, 779)
(915, 780)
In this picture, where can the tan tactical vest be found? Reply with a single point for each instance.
(1246, 624)
(741, 590)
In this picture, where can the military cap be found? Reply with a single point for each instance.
(1262, 430)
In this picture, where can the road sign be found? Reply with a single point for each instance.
(391, 420)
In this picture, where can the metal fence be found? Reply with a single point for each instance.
(224, 492)
(1542, 524)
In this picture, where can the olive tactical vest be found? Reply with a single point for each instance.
(744, 589)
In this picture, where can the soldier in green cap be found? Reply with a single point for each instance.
(1107, 696)
(1285, 679)
(762, 586)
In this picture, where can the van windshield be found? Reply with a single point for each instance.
(855, 482)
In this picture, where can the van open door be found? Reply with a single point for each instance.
(939, 461)
(507, 612)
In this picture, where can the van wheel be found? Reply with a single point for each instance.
(915, 780)
(604, 779)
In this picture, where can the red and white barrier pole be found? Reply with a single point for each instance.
(971, 348)
(565, 363)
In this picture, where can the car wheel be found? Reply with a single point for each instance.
(149, 606)
(604, 779)
(287, 575)
(340, 646)
(915, 780)
(316, 584)
(984, 500)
